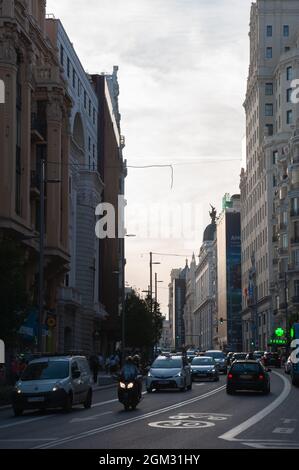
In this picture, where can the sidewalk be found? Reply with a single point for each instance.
(104, 381)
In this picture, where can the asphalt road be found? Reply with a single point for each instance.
(204, 418)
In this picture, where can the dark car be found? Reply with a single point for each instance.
(238, 357)
(248, 375)
(204, 368)
(271, 359)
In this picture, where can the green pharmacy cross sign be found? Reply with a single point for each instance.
(279, 332)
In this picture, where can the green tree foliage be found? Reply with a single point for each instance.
(143, 329)
(12, 290)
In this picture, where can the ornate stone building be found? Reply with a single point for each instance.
(34, 126)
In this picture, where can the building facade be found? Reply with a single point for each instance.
(204, 313)
(229, 295)
(80, 309)
(268, 183)
(113, 170)
(189, 304)
(177, 298)
(34, 129)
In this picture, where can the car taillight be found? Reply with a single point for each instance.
(261, 377)
(230, 376)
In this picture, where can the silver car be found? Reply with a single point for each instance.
(203, 367)
(169, 372)
(220, 359)
(53, 382)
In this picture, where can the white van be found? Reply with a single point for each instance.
(53, 382)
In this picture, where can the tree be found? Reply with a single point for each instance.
(13, 296)
(143, 329)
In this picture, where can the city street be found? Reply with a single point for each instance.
(205, 417)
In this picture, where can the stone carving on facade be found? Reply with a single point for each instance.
(54, 110)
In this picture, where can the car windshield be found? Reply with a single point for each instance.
(216, 354)
(46, 371)
(241, 368)
(171, 363)
(202, 361)
(240, 356)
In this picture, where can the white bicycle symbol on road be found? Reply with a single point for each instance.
(190, 420)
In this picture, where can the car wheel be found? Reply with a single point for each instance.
(190, 386)
(183, 389)
(216, 379)
(127, 407)
(149, 390)
(88, 401)
(18, 411)
(230, 391)
(68, 404)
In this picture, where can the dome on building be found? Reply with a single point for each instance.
(209, 233)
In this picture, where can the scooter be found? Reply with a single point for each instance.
(128, 393)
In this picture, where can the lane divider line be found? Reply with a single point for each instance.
(231, 435)
(111, 426)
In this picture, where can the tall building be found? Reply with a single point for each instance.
(269, 181)
(34, 128)
(113, 170)
(229, 295)
(80, 309)
(204, 313)
(177, 296)
(189, 304)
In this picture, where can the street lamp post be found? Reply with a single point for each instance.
(41, 254)
(156, 303)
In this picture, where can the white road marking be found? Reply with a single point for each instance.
(90, 418)
(273, 445)
(46, 439)
(125, 422)
(283, 430)
(25, 421)
(231, 435)
(182, 424)
(288, 421)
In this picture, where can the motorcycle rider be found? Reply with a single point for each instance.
(129, 370)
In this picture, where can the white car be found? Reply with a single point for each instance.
(169, 372)
(53, 382)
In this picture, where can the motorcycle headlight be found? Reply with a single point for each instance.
(122, 385)
(130, 385)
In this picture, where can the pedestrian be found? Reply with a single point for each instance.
(101, 362)
(94, 365)
(107, 365)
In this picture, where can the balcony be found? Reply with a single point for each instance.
(275, 238)
(69, 295)
(283, 251)
(294, 213)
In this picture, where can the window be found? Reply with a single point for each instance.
(269, 31)
(61, 55)
(68, 67)
(94, 116)
(285, 241)
(85, 99)
(296, 288)
(89, 144)
(296, 257)
(289, 94)
(296, 231)
(268, 109)
(289, 116)
(289, 73)
(286, 31)
(74, 78)
(269, 53)
(269, 128)
(275, 157)
(295, 206)
(269, 89)
(287, 48)
(79, 87)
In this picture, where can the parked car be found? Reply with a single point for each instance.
(204, 367)
(248, 375)
(169, 372)
(220, 359)
(53, 382)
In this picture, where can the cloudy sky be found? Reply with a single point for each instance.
(182, 71)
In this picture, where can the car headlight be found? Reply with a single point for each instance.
(150, 374)
(130, 385)
(179, 374)
(56, 387)
(122, 385)
(213, 370)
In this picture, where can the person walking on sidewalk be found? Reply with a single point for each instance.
(94, 366)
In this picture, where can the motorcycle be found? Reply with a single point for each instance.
(128, 393)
